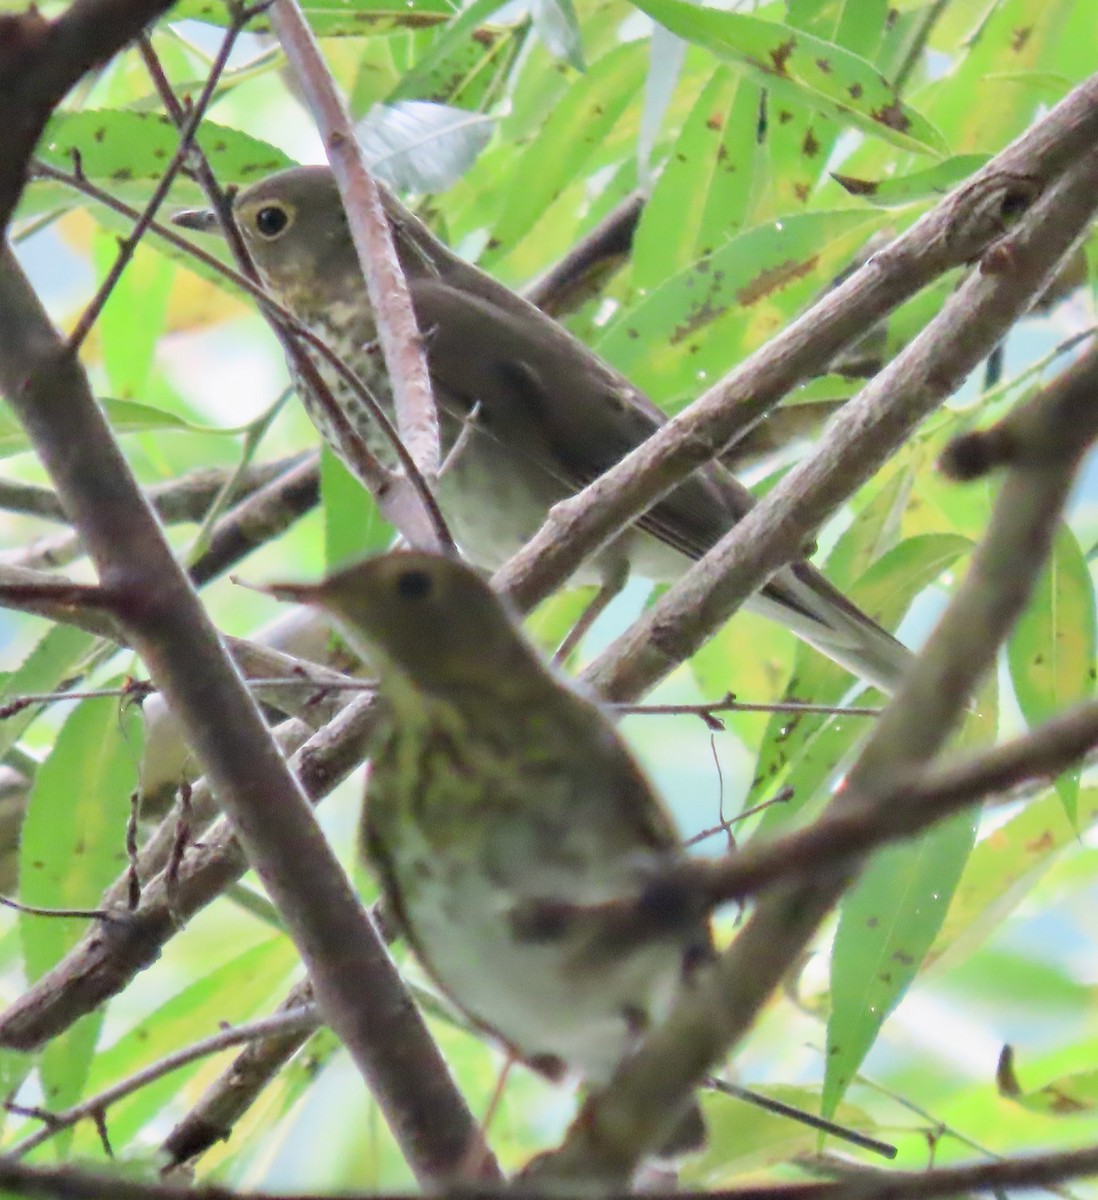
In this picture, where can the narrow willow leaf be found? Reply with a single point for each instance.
(353, 527)
(807, 69)
(701, 196)
(54, 657)
(570, 137)
(122, 146)
(241, 989)
(917, 185)
(688, 331)
(888, 922)
(803, 750)
(1052, 649)
(73, 845)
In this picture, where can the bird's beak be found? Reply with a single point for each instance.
(204, 220)
(296, 593)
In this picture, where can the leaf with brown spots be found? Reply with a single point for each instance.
(918, 185)
(116, 145)
(822, 75)
(692, 327)
(1066, 1096)
(1052, 649)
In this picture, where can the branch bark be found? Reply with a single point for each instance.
(956, 231)
(151, 598)
(642, 1102)
(869, 428)
(398, 333)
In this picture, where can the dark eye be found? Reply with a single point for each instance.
(271, 221)
(414, 585)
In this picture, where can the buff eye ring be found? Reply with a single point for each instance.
(271, 220)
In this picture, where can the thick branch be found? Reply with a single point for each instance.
(956, 231)
(642, 1102)
(356, 983)
(868, 429)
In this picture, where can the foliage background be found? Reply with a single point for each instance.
(553, 114)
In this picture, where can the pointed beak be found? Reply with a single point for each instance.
(295, 593)
(203, 220)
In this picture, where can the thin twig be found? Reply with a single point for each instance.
(128, 244)
(386, 287)
(300, 1020)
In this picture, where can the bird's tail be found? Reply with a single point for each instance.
(800, 598)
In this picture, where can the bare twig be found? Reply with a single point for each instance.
(299, 1020)
(289, 489)
(729, 704)
(221, 1106)
(258, 519)
(398, 334)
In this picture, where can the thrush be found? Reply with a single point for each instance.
(539, 413)
(502, 809)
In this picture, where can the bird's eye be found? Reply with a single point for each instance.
(414, 585)
(271, 220)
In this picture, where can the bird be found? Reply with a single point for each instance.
(502, 809)
(539, 415)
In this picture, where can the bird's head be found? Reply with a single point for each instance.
(296, 231)
(429, 619)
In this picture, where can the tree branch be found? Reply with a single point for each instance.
(642, 1102)
(956, 231)
(869, 428)
(386, 287)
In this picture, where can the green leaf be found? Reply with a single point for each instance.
(430, 75)
(1007, 864)
(915, 185)
(117, 146)
(745, 1138)
(51, 661)
(1064, 1097)
(353, 527)
(889, 921)
(571, 136)
(803, 750)
(237, 990)
(73, 845)
(691, 329)
(131, 321)
(1052, 650)
(1002, 82)
(804, 68)
(701, 196)
(557, 27)
(887, 924)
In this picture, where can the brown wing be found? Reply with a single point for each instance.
(545, 395)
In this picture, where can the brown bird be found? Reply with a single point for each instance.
(543, 415)
(502, 807)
